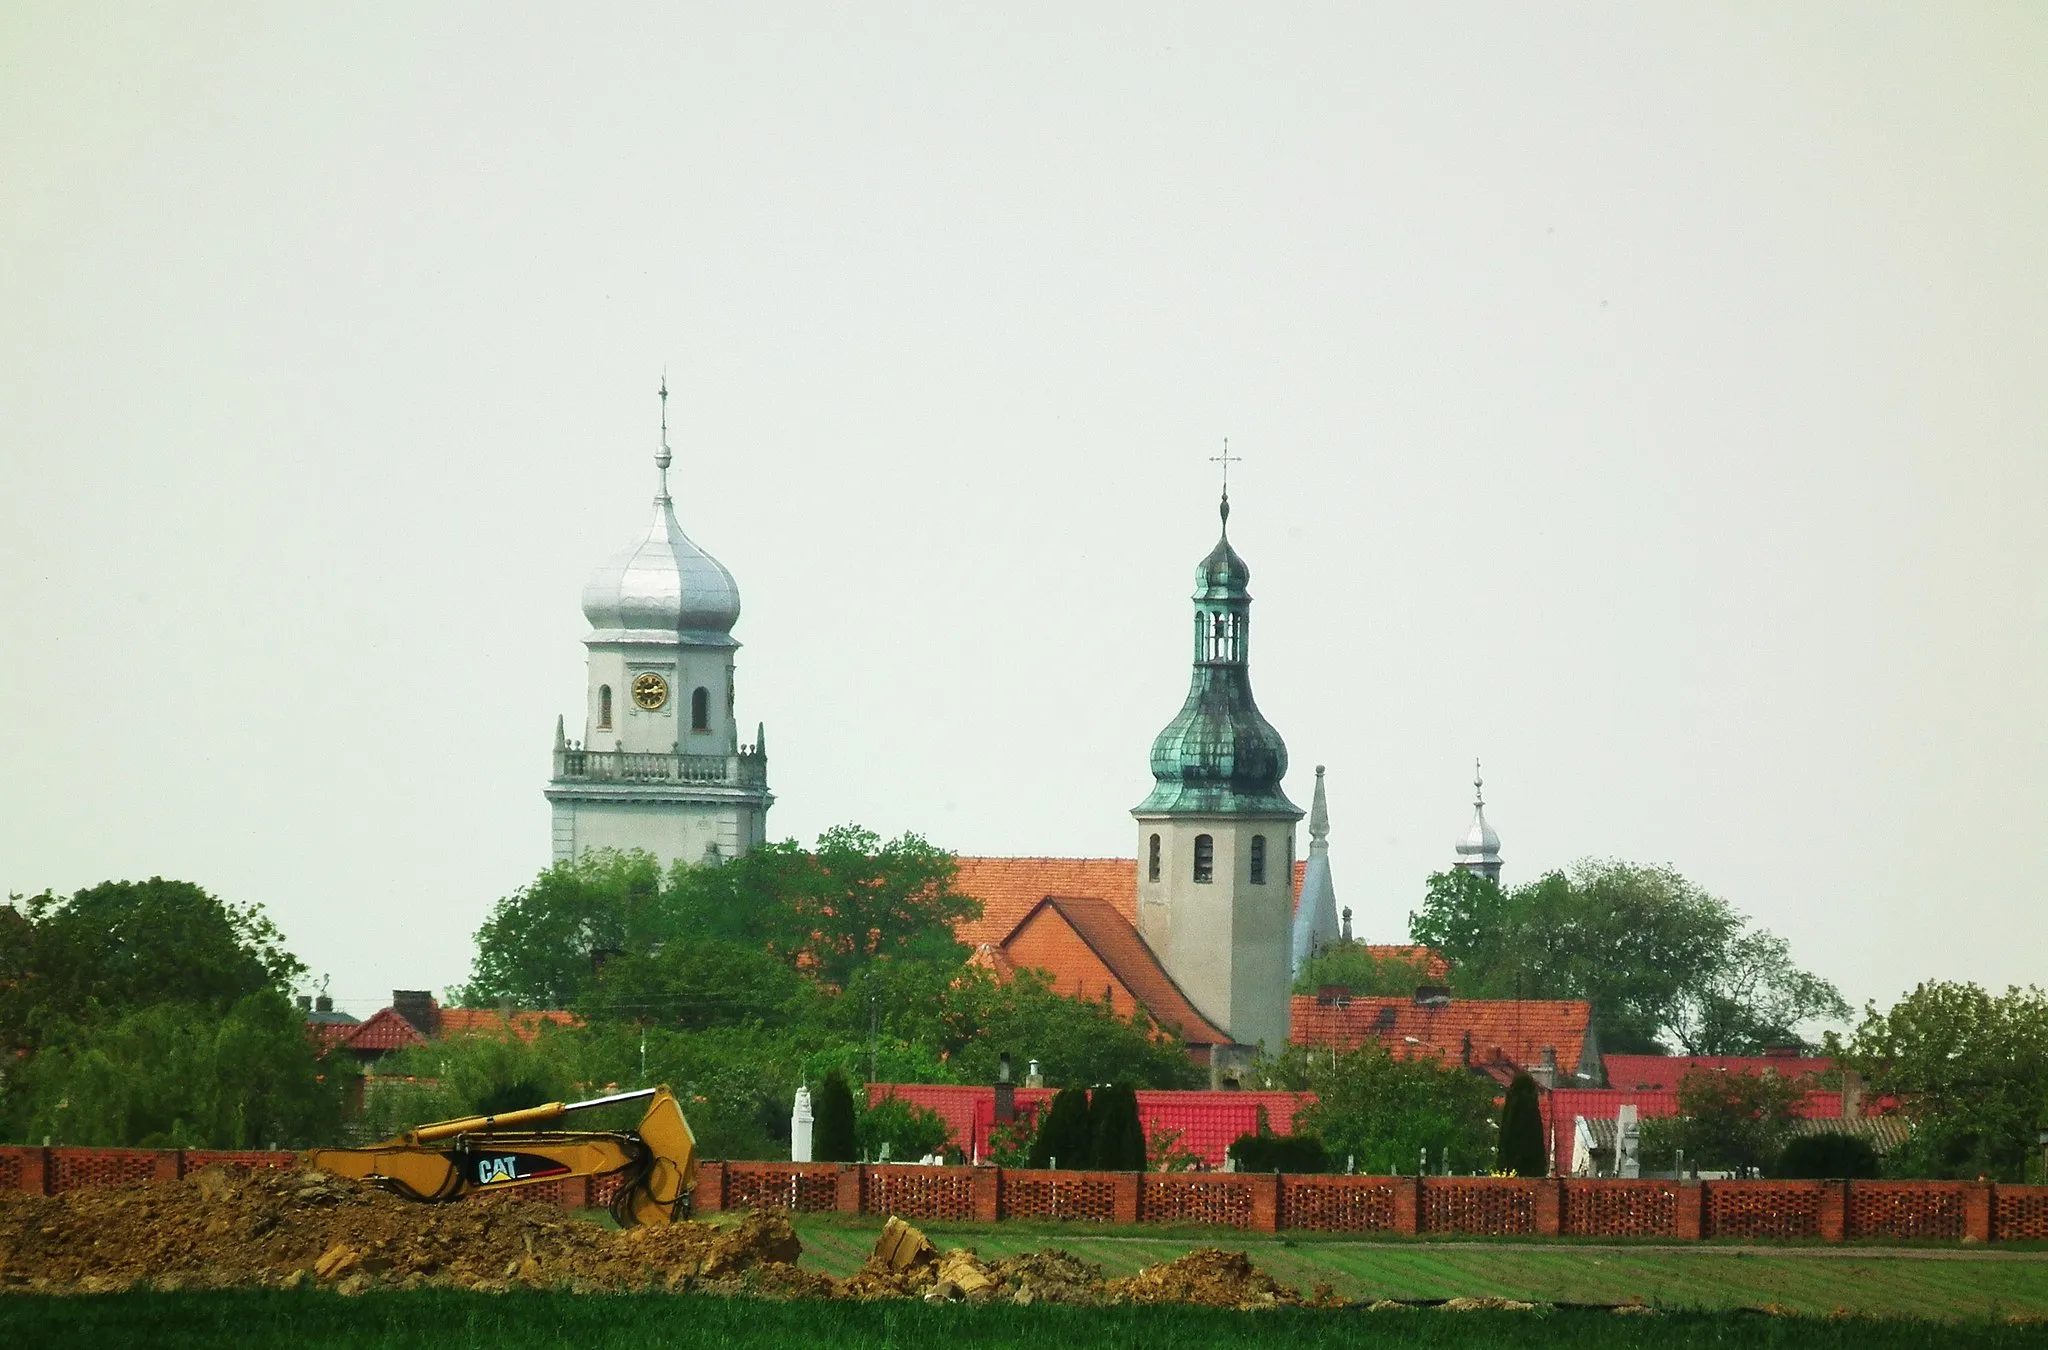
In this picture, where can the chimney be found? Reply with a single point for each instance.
(323, 1004)
(1852, 1094)
(417, 1007)
(1784, 1051)
(305, 1003)
(1546, 1071)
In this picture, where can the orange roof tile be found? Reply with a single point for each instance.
(1517, 1030)
(1664, 1072)
(1010, 888)
(488, 1021)
(384, 1030)
(1117, 944)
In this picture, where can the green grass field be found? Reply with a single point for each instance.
(540, 1321)
(1939, 1283)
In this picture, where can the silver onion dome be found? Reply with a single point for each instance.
(662, 582)
(1480, 843)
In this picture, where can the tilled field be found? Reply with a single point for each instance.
(227, 1228)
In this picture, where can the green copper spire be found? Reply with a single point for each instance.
(1220, 756)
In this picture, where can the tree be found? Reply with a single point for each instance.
(1971, 1069)
(1118, 1136)
(908, 1131)
(693, 984)
(1385, 1112)
(174, 1076)
(1658, 958)
(833, 1138)
(1076, 1040)
(1356, 967)
(1732, 1121)
(1063, 1135)
(1521, 1131)
(543, 945)
(122, 946)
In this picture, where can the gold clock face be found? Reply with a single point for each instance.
(650, 691)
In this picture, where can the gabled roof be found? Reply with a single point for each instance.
(1516, 1031)
(1117, 945)
(385, 1030)
(1009, 888)
(1664, 1072)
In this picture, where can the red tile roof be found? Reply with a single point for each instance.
(1564, 1105)
(1515, 1030)
(384, 1031)
(1665, 1071)
(1208, 1122)
(1110, 936)
(1009, 888)
(489, 1022)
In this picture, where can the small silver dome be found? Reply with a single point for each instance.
(662, 583)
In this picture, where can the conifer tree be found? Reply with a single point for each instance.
(1119, 1135)
(1521, 1131)
(1063, 1138)
(832, 1137)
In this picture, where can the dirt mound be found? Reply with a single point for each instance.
(1208, 1276)
(1049, 1276)
(224, 1227)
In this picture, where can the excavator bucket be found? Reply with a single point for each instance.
(671, 1168)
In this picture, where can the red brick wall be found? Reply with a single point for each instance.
(1923, 1211)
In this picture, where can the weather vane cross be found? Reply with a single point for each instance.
(1226, 459)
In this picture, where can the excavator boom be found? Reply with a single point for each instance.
(448, 1159)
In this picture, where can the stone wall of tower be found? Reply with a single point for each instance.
(1227, 941)
(685, 668)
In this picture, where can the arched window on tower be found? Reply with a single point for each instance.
(1205, 858)
(604, 707)
(700, 709)
(1152, 872)
(1258, 860)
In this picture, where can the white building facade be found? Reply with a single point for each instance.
(660, 765)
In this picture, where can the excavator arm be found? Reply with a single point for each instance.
(448, 1159)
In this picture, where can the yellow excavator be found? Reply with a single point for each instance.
(449, 1159)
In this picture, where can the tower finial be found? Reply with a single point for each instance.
(662, 457)
(1226, 459)
(1478, 784)
(1319, 812)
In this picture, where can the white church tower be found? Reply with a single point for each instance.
(1479, 850)
(660, 766)
(1216, 835)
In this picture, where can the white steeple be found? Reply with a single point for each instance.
(1479, 851)
(1315, 913)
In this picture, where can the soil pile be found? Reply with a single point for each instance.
(221, 1228)
(1050, 1276)
(1207, 1276)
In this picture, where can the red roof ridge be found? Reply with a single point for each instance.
(1202, 1032)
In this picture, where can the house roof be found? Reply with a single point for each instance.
(1516, 1031)
(1009, 888)
(384, 1030)
(1117, 944)
(1207, 1122)
(488, 1021)
(1664, 1072)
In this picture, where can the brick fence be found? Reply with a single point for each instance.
(1831, 1211)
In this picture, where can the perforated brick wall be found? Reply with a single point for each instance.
(918, 1192)
(1620, 1209)
(805, 1188)
(1202, 1198)
(1482, 1206)
(1337, 1204)
(2021, 1214)
(1059, 1195)
(1905, 1210)
(72, 1168)
(1762, 1209)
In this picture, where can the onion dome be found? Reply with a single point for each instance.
(662, 583)
(1220, 756)
(1479, 851)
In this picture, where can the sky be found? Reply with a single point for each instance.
(1646, 399)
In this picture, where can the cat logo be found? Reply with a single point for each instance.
(489, 1170)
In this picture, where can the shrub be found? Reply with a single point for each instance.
(1063, 1137)
(1521, 1131)
(832, 1133)
(1279, 1153)
(1119, 1137)
(909, 1130)
(1826, 1157)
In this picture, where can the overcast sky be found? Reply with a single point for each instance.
(1649, 399)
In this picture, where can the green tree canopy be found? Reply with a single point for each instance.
(1727, 1121)
(1662, 962)
(1384, 1112)
(122, 946)
(1063, 1139)
(176, 1076)
(833, 1137)
(1356, 967)
(1971, 1068)
(1118, 1136)
(1521, 1131)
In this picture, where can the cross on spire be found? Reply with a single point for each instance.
(1478, 798)
(1226, 459)
(662, 457)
